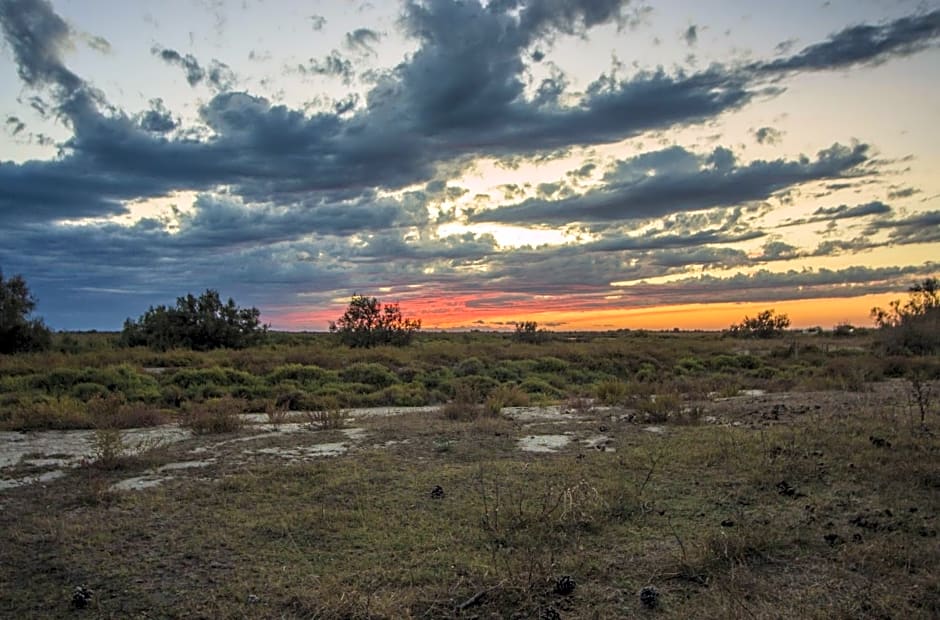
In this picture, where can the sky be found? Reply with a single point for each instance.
(588, 164)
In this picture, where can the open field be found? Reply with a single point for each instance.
(783, 478)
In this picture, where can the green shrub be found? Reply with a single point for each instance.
(550, 364)
(218, 415)
(480, 385)
(506, 396)
(86, 391)
(375, 375)
(689, 365)
(326, 413)
(401, 395)
(539, 387)
(469, 366)
(62, 413)
(306, 375)
(611, 392)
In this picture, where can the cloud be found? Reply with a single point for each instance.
(317, 22)
(690, 36)
(863, 44)
(459, 94)
(921, 227)
(363, 40)
(841, 212)
(99, 44)
(334, 64)
(294, 201)
(673, 180)
(217, 74)
(158, 119)
(768, 135)
(14, 125)
(194, 73)
(769, 286)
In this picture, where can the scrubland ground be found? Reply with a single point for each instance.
(800, 502)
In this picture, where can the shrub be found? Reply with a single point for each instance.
(367, 323)
(480, 385)
(218, 415)
(913, 328)
(766, 324)
(550, 364)
(611, 392)
(469, 366)
(369, 373)
(505, 396)
(307, 375)
(19, 333)
(326, 413)
(201, 324)
(528, 331)
(540, 387)
(465, 405)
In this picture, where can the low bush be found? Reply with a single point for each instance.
(326, 413)
(371, 374)
(219, 415)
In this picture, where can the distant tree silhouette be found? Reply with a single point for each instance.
(199, 323)
(766, 324)
(528, 331)
(914, 327)
(19, 333)
(367, 323)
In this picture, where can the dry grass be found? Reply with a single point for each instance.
(801, 505)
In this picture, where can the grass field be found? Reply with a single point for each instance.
(816, 499)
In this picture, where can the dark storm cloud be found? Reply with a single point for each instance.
(863, 44)
(673, 180)
(461, 93)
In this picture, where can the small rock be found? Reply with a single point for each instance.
(81, 597)
(437, 492)
(564, 585)
(603, 428)
(649, 597)
(253, 599)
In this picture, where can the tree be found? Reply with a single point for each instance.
(199, 323)
(528, 331)
(19, 333)
(766, 324)
(367, 323)
(915, 326)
